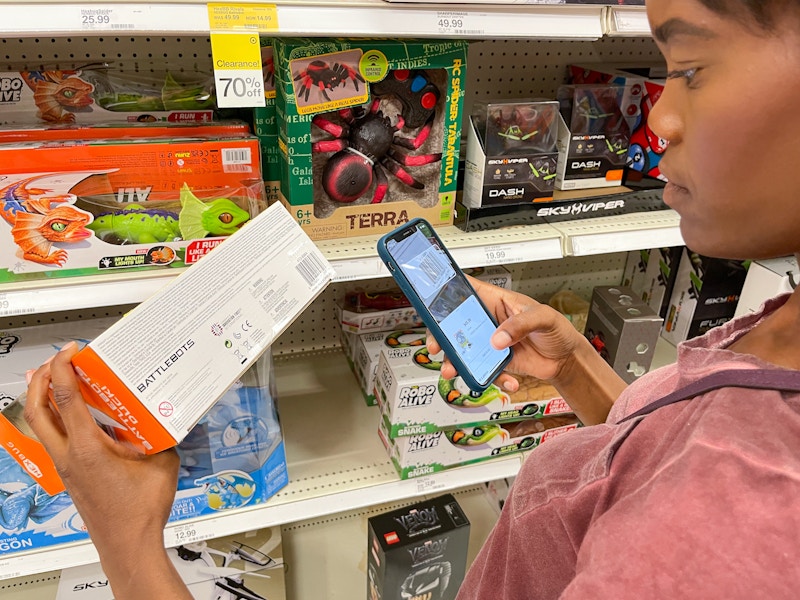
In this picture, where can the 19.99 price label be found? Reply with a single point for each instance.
(238, 78)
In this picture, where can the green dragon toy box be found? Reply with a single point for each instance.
(415, 399)
(99, 206)
(368, 131)
(104, 92)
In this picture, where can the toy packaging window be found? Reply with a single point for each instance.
(511, 153)
(593, 136)
(368, 132)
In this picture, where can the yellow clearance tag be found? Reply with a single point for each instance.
(238, 77)
(243, 17)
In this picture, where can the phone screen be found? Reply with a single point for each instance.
(449, 299)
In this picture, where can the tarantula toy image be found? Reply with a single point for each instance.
(323, 76)
(365, 147)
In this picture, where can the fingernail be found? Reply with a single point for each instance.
(69, 346)
(510, 386)
(29, 376)
(501, 339)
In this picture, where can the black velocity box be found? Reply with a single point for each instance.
(418, 552)
(623, 329)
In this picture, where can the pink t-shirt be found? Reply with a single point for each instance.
(699, 499)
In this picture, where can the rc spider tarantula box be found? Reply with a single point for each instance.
(368, 132)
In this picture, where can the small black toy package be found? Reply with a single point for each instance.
(418, 552)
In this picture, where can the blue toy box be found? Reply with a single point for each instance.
(233, 457)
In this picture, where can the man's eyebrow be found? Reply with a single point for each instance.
(677, 26)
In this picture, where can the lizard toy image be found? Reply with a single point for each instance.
(137, 225)
(199, 219)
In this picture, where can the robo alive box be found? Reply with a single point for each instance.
(99, 206)
(154, 373)
(369, 132)
(233, 457)
(415, 399)
(418, 552)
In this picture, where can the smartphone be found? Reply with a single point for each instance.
(445, 301)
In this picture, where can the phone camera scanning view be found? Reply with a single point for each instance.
(449, 299)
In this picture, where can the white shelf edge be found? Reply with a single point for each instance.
(313, 18)
(356, 259)
(621, 233)
(626, 21)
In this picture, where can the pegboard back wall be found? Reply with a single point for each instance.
(496, 69)
(318, 329)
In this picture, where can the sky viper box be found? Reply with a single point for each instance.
(704, 295)
(368, 131)
(418, 552)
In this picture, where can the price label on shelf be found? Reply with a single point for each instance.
(237, 70)
(186, 534)
(243, 17)
(116, 18)
(17, 304)
(427, 485)
(498, 255)
(458, 23)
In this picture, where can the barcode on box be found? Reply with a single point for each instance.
(236, 156)
(310, 268)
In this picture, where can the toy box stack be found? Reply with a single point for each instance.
(418, 552)
(705, 295)
(429, 423)
(233, 457)
(643, 85)
(376, 320)
(84, 207)
(369, 131)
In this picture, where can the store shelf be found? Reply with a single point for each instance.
(626, 21)
(336, 463)
(354, 18)
(621, 233)
(356, 258)
(333, 549)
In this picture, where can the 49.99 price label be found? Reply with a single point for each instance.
(238, 77)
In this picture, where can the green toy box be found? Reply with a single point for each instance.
(368, 131)
(265, 126)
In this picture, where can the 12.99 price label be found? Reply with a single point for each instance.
(238, 77)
